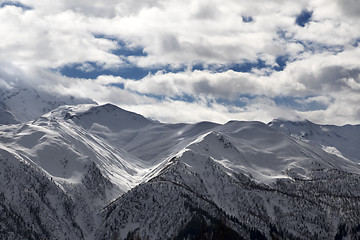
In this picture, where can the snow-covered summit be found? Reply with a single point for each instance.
(343, 141)
(91, 171)
(112, 117)
(265, 154)
(27, 104)
(244, 179)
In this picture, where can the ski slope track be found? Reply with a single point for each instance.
(89, 171)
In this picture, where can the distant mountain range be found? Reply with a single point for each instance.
(72, 169)
(23, 104)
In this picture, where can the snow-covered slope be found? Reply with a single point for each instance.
(343, 141)
(254, 149)
(100, 172)
(26, 104)
(6, 117)
(32, 205)
(72, 149)
(71, 164)
(63, 149)
(242, 180)
(109, 116)
(146, 139)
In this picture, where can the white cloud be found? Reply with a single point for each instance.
(32, 40)
(314, 75)
(349, 7)
(344, 110)
(323, 62)
(225, 85)
(172, 32)
(259, 109)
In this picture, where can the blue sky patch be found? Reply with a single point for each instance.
(247, 19)
(299, 103)
(76, 70)
(184, 97)
(356, 42)
(242, 101)
(15, 4)
(309, 46)
(281, 62)
(91, 70)
(317, 47)
(303, 18)
(124, 48)
(246, 66)
(118, 85)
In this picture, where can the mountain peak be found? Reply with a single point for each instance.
(27, 104)
(248, 178)
(304, 122)
(342, 141)
(110, 116)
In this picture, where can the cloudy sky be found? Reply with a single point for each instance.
(188, 61)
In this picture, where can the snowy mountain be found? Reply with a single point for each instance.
(51, 162)
(6, 117)
(343, 141)
(243, 180)
(92, 171)
(24, 104)
(76, 163)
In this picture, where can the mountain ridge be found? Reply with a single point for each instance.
(101, 172)
(339, 140)
(26, 104)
